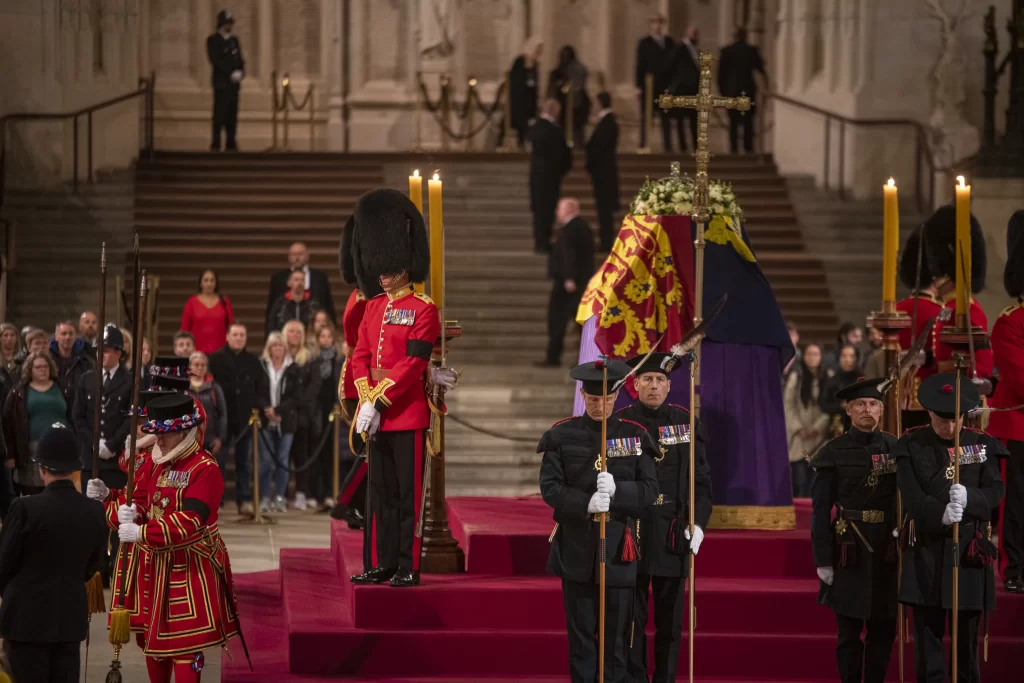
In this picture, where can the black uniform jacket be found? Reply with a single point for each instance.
(568, 479)
(225, 55)
(669, 427)
(115, 415)
(602, 162)
(922, 459)
(49, 548)
(855, 473)
(572, 255)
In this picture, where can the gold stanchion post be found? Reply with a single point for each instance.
(285, 88)
(469, 113)
(507, 125)
(445, 111)
(257, 516)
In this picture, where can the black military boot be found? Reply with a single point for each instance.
(405, 578)
(375, 576)
(1014, 584)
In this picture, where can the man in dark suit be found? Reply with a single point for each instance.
(227, 72)
(654, 56)
(602, 163)
(317, 283)
(49, 548)
(570, 266)
(550, 160)
(686, 81)
(736, 69)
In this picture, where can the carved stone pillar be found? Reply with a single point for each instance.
(832, 43)
(331, 68)
(204, 23)
(849, 36)
(265, 45)
(784, 47)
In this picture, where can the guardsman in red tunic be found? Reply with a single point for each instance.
(190, 604)
(352, 497)
(925, 294)
(1008, 425)
(390, 370)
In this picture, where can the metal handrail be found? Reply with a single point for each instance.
(921, 149)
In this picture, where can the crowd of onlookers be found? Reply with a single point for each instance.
(291, 384)
(810, 383)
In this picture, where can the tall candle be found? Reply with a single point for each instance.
(890, 240)
(963, 246)
(416, 189)
(436, 241)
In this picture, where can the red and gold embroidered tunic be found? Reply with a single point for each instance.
(350, 321)
(944, 354)
(1008, 351)
(928, 307)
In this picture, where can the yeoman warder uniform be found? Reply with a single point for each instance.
(663, 529)
(924, 469)
(572, 484)
(855, 551)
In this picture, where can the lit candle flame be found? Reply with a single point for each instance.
(436, 176)
(892, 183)
(416, 173)
(962, 181)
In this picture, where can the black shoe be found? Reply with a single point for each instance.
(1014, 584)
(405, 578)
(353, 518)
(375, 576)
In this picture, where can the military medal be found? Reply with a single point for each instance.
(670, 435)
(880, 464)
(969, 455)
(841, 526)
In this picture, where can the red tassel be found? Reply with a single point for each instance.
(890, 551)
(629, 552)
(843, 554)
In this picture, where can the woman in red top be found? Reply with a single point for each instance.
(208, 314)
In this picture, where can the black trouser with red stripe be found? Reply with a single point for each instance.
(396, 478)
(1012, 538)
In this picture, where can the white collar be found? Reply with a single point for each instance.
(603, 113)
(110, 373)
(190, 441)
(548, 117)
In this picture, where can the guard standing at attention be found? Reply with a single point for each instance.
(855, 553)
(572, 483)
(227, 72)
(925, 470)
(664, 564)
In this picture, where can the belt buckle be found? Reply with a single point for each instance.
(873, 516)
(841, 526)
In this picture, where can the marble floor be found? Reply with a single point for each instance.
(252, 549)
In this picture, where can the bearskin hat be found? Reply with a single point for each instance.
(940, 247)
(385, 235)
(1013, 274)
(909, 275)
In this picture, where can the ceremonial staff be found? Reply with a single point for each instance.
(955, 622)
(98, 403)
(704, 102)
(603, 522)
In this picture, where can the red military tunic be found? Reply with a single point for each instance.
(1008, 350)
(928, 307)
(350, 322)
(396, 338)
(944, 354)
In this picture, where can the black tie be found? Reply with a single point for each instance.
(106, 377)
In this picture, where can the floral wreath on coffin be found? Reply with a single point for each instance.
(673, 196)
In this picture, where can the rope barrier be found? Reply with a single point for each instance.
(488, 432)
(472, 97)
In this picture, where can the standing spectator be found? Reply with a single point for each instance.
(686, 81)
(184, 344)
(30, 410)
(846, 374)
(10, 366)
(570, 266)
(241, 376)
(114, 413)
(295, 304)
(523, 88)
(871, 355)
(88, 328)
(73, 360)
(806, 422)
(550, 160)
(307, 426)
(328, 360)
(208, 314)
(48, 550)
(602, 163)
(278, 433)
(319, 321)
(227, 71)
(849, 335)
(35, 341)
(654, 56)
(317, 283)
(737, 66)
(570, 74)
(211, 396)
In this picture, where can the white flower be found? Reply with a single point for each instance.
(717, 209)
(715, 191)
(641, 208)
(677, 196)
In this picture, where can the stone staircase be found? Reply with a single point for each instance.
(57, 235)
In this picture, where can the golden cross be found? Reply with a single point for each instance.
(704, 102)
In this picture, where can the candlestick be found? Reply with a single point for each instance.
(436, 241)
(416, 190)
(963, 246)
(890, 240)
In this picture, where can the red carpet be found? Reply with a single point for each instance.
(758, 619)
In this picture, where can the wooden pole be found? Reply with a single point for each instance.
(698, 317)
(98, 401)
(955, 621)
(603, 522)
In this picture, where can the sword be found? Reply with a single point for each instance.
(618, 385)
(696, 335)
(913, 312)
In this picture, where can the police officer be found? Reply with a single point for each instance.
(856, 553)
(662, 564)
(227, 72)
(925, 471)
(572, 483)
(49, 547)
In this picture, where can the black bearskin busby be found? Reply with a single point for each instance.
(1013, 274)
(385, 235)
(909, 275)
(940, 247)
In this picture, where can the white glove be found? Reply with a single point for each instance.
(126, 514)
(129, 533)
(445, 378)
(954, 513)
(606, 483)
(895, 533)
(105, 452)
(958, 495)
(96, 490)
(368, 419)
(599, 502)
(236, 75)
(983, 386)
(827, 575)
(698, 536)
